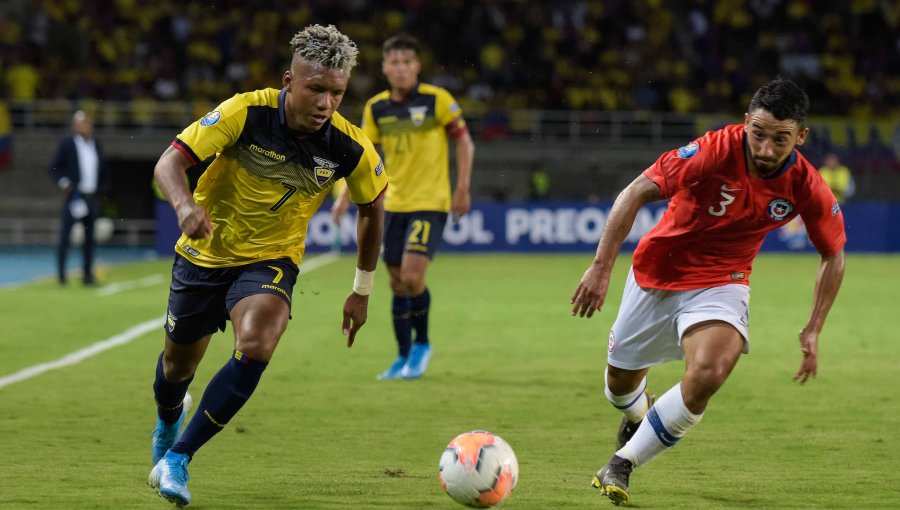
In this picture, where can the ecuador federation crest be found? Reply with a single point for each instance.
(324, 170)
(417, 114)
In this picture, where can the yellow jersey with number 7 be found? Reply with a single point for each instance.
(267, 181)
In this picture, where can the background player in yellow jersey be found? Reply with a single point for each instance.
(412, 123)
(278, 153)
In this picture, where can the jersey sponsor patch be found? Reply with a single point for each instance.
(267, 153)
(380, 168)
(612, 342)
(835, 208)
(780, 208)
(688, 150)
(211, 118)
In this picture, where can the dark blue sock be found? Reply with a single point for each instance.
(402, 324)
(169, 396)
(226, 393)
(418, 310)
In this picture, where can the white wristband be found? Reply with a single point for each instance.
(363, 282)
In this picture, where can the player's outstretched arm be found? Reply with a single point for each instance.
(340, 206)
(169, 175)
(465, 158)
(591, 292)
(370, 218)
(828, 282)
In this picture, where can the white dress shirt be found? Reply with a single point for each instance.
(88, 164)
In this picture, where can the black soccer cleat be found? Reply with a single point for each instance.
(612, 480)
(627, 428)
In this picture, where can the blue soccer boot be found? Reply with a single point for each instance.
(170, 476)
(419, 355)
(395, 370)
(165, 434)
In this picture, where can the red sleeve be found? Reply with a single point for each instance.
(679, 168)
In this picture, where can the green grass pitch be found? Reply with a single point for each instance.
(322, 433)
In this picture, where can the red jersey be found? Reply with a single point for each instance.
(719, 214)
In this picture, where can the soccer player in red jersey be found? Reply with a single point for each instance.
(687, 294)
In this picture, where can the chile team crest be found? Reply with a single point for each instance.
(780, 208)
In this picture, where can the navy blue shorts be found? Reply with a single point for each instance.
(201, 298)
(413, 232)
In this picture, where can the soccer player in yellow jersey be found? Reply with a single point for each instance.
(278, 153)
(838, 178)
(412, 122)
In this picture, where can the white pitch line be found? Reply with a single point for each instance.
(83, 354)
(125, 337)
(308, 266)
(115, 288)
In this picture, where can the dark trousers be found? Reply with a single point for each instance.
(89, 244)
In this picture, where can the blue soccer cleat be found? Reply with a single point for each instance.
(419, 355)
(395, 370)
(165, 434)
(170, 476)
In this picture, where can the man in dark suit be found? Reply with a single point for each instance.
(80, 171)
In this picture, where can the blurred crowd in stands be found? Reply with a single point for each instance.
(654, 55)
(494, 55)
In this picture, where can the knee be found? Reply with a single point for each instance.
(408, 285)
(258, 341)
(705, 381)
(413, 284)
(178, 370)
(621, 382)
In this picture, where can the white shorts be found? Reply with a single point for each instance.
(651, 322)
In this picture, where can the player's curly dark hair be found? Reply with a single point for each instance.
(782, 98)
(401, 42)
(326, 46)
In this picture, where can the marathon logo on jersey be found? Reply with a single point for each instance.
(417, 115)
(324, 171)
(780, 208)
(688, 150)
(170, 321)
(835, 208)
(267, 153)
(211, 118)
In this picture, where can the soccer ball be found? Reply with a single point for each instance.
(478, 469)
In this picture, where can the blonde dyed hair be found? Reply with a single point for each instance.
(325, 45)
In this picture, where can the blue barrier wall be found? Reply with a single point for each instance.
(576, 227)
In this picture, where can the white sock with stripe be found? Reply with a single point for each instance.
(666, 422)
(633, 405)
